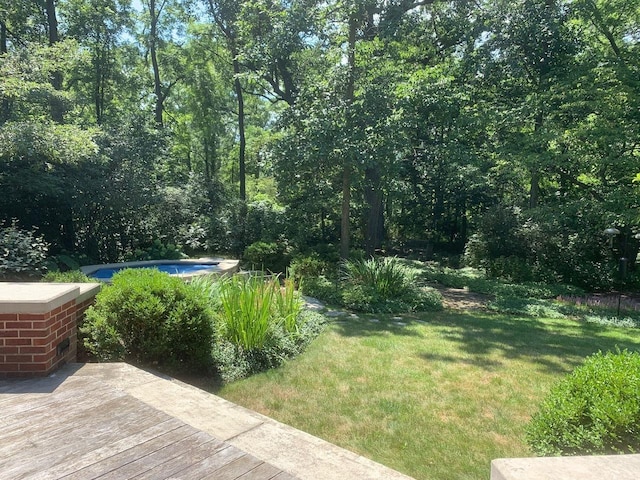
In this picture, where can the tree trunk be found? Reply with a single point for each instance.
(207, 168)
(374, 229)
(157, 84)
(98, 89)
(345, 230)
(3, 37)
(346, 210)
(534, 190)
(5, 108)
(241, 127)
(56, 106)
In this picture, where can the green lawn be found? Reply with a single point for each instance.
(438, 398)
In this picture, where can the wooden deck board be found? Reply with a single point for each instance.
(234, 469)
(187, 457)
(78, 428)
(264, 471)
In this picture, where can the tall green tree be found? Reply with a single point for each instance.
(98, 25)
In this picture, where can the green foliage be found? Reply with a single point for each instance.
(70, 276)
(476, 281)
(265, 222)
(273, 257)
(234, 362)
(385, 285)
(156, 251)
(260, 323)
(152, 317)
(308, 266)
(594, 411)
(22, 252)
(254, 307)
(323, 288)
(527, 306)
(247, 310)
(543, 246)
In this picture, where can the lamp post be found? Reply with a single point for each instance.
(612, 233)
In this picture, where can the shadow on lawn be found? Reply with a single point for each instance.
(362, 327)
(556, 345)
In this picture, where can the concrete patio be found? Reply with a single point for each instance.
(117, 421)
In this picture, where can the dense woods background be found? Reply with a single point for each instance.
(504, 130)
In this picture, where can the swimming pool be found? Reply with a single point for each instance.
(181, 268)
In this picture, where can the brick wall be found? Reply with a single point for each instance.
(37, 343)
(33, 344)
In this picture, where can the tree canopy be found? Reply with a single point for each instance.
(504, 130)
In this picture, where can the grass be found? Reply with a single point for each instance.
(437, 398)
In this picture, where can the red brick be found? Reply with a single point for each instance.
(17, 325)
(44, 358)
(8, 316)
(9, 367)
(46, 321)
(17, 341)
(10, 350)
(34, 333)
(42, 341)
(39, 350)
(18, 358)
(9, 333)
(31, 316)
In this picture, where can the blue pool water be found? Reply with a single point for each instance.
(105, 274)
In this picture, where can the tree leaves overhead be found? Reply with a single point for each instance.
(405, 119)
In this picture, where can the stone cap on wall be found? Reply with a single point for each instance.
(36, 297)
(618, 467)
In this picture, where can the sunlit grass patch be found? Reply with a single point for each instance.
(436, 398)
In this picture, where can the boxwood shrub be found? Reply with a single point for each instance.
(149, 316)
(594, 411)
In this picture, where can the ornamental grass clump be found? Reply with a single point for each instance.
(246, 310)
(385, 285)
(260, 324)
(253, 307)
(594, 411)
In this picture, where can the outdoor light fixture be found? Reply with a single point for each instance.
(611, 232)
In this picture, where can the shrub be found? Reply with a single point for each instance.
(152, 317)
(323, 289)
(309, 266)
(22, 252)
(156, 251)
(562, 244)
(385, 285)
(594, 411)
(72, 276)
(476, 281)
(267, 256)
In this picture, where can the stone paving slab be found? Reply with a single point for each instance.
(295, 452)
(610, 467)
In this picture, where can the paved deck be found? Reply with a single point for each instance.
(117, 421)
